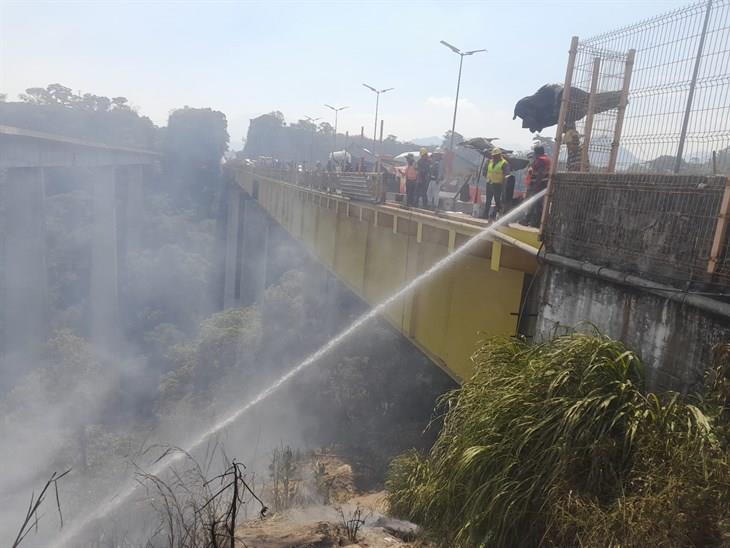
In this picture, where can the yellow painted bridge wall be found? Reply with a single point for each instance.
(376, 250)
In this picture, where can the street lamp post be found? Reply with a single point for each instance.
(337, 111)
(458, 83)
(377, 103)
(312, 121)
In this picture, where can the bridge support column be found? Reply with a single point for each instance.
(103, 294)
(25, 309)
(254, 253)
(232, 271)
(134, 208)
(260, 269)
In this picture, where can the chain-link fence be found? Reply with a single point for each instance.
(653, 97)
(669, 228)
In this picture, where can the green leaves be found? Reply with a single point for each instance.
(558, 444)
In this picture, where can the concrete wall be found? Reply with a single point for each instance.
(675, 340)
(660, 227)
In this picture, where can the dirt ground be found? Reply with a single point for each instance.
(322, 525)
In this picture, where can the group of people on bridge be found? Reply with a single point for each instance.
(423, 181)
(500, 185)
(423, 184)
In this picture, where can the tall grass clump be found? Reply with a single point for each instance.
(559, 444)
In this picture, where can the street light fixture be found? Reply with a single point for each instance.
(377, 102)
(337, 111)
(461, 55)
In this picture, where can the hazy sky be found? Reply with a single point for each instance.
(249, 58)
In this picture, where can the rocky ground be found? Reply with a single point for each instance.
(325, 525)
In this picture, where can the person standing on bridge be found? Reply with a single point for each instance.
(539, 174)
(433, 193)
(424, 177)
(497, 170)
(411, 181)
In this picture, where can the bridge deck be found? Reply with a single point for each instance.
(27, 148)
(377, 249)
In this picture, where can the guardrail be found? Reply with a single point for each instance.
(671, 228)
(358, 186)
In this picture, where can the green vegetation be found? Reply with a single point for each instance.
(559, 444)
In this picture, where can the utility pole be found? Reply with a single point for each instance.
(458, 84)
(312, 121)
(337, 111)
(377, 104)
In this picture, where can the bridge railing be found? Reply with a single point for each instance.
(673, 229)
(359, 186)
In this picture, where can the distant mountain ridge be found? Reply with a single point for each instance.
(427, 141)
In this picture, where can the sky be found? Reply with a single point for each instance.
(249, 58)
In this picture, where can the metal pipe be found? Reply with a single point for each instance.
(584, 158)
(336, 113)
(692, 85)
(561, 127)
(721, 225)
(375, 127)
(623, 102)
(527, 248)
(705, 304)
(456, 102)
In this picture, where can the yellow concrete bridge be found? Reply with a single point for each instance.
(377, 249)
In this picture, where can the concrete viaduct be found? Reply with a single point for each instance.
(374, 250)
(644, 258)
(24, 157)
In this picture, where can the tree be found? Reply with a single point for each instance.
(92, 102)
(61, 95)
(326, 128)
(36, 96)
(196, 140)
(56, 109)
(305, 125)
(120, 103)
(458, 138)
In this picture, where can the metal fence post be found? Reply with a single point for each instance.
(721, 230)
(692, 85)
(584, 157)
(623, 102)
(564, 105)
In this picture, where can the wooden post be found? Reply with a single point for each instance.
(561, 126)
(584, 158)
(721, 229)
(623, 101)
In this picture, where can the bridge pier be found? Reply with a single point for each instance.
(246, 270)
(103, 293)
(255, 256)
(26, 280)
(232, 272)
(134, 207)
